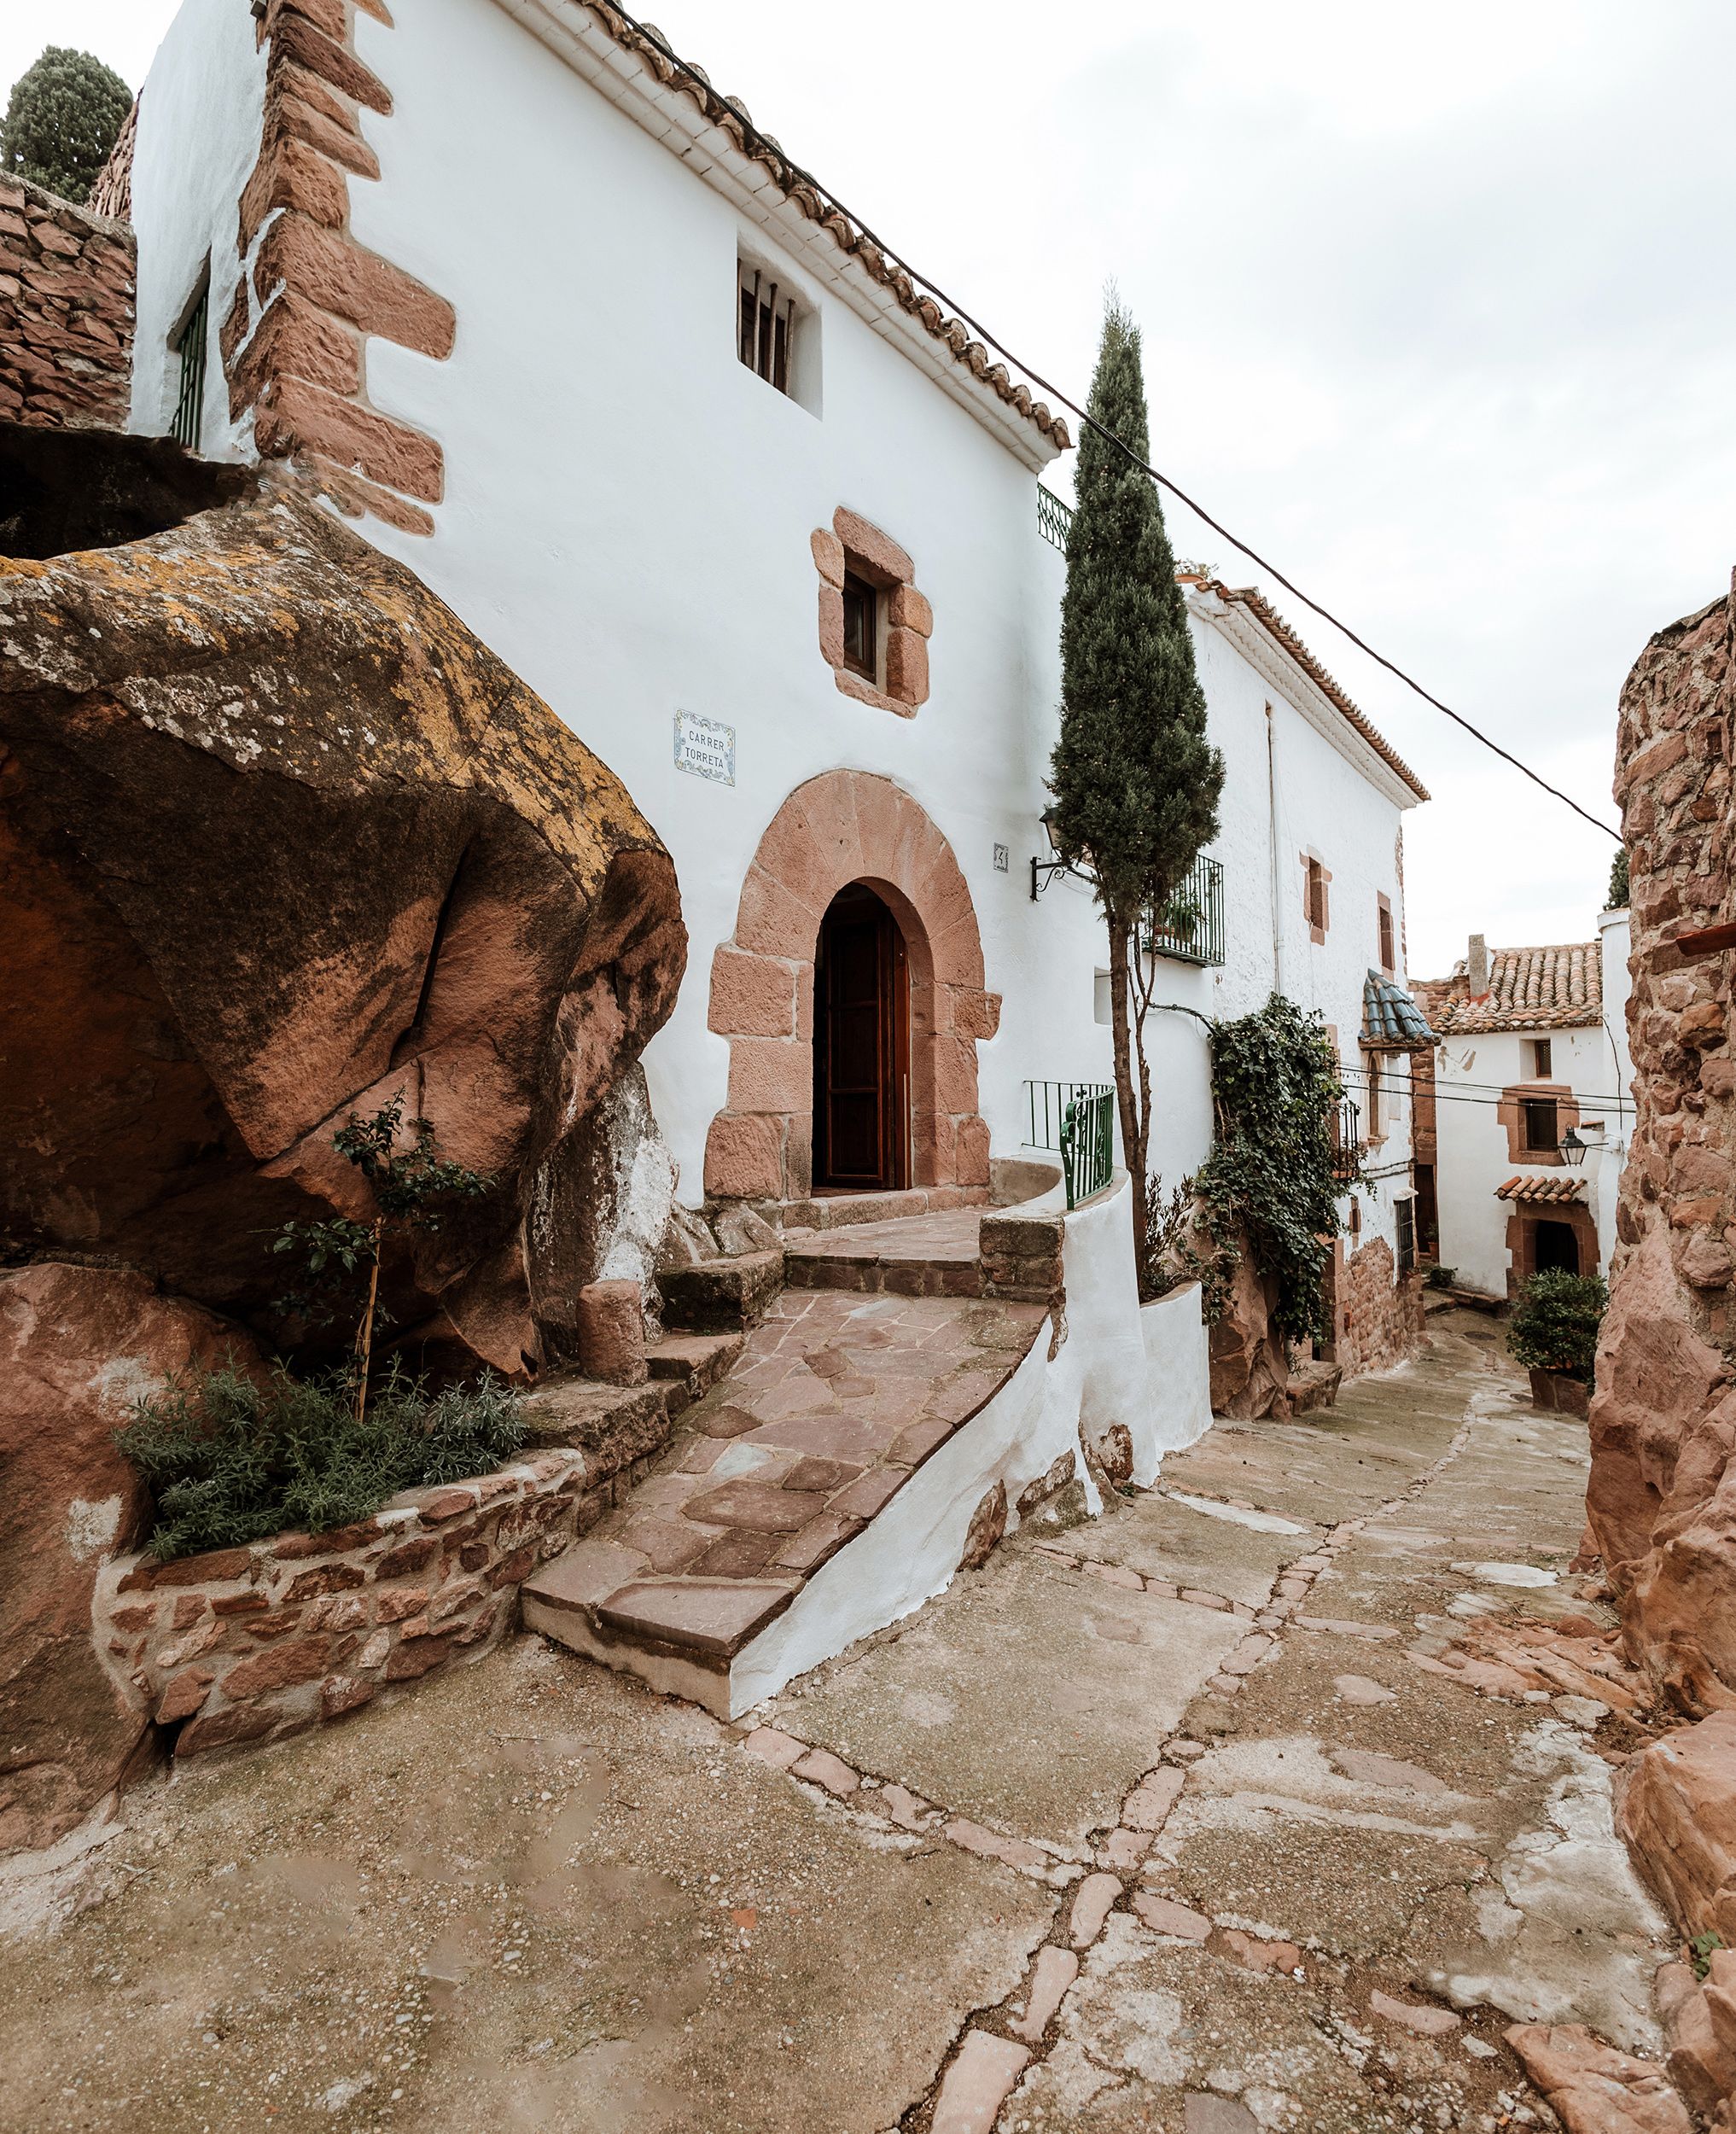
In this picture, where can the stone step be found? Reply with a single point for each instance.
(841, 1212)
(914, 1255)
(833, 1408)
(690, 1364)
(721, 1296)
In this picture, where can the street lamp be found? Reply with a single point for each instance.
(1049, 868)
(1573, 1148)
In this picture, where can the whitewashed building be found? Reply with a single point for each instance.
(673, 436)
(1528, 1112)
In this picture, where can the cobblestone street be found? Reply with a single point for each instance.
(1271, 1799)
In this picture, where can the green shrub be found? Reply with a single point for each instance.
(1439, 1277)
(230, 1460)
(1554, 1324)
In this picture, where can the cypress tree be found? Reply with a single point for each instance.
(61, 120)
(1135, 780)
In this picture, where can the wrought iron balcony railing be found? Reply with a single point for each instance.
(1347, 1141)
(1191, 926)
(1054, 517)
(1076, 1119)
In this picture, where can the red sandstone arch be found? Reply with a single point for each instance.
(840, 827)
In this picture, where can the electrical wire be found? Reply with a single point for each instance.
(695, 74)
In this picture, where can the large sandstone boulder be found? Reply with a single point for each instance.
(78, 1346)
(280, 838)
(1662, 1500)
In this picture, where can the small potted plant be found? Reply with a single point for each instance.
(1553, 1332)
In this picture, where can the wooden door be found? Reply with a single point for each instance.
(861, 1045)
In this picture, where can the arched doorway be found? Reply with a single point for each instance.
(1555, 1245)
(842, 830)
(861, 1046)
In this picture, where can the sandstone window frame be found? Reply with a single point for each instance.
(1511, 1111)
(854, 547)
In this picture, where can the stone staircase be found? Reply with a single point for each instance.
(818, 1475)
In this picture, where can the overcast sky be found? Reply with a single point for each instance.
(1438, 315)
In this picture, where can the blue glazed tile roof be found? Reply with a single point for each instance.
(1391, 1020)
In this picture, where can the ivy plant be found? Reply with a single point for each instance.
(1269, 1179)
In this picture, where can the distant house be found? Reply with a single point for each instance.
(1522, 1125)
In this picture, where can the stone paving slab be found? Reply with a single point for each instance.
(1029, 1696)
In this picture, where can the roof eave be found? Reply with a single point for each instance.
(672, 114)
(1264, 650)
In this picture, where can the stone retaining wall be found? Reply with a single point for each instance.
(66, 291)
(1661, 1504)
(244, 1644)
(1380, 1315)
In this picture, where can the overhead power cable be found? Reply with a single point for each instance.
(949, 303)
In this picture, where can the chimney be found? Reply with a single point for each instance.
(1476, 967)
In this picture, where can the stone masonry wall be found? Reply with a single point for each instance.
(247, 1645)
(1380, 1315)
(66, 291)
(1662, 1500)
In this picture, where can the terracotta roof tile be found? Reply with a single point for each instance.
(1251, 598)
(730, 115)
(1560, 987)
(1555, 1189)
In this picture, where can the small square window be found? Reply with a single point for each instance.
(861, 628)
(1542, 1059)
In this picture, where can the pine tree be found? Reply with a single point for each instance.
(1135, 780)
(61, 121)
(1618, 882)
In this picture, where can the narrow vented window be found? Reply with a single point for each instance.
(766, 328)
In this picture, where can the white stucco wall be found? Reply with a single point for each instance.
(626, 522)
(198, 117)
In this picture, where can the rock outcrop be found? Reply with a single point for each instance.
(1249, 1358)
(280, 839)
(1677, 1811)
(1662, 1500)
(78, 1346)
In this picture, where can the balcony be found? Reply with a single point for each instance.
(1076, 1119)
(1054, 517)
(1347, 1141)
(1189, 929)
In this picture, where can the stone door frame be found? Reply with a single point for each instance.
(840, 827)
